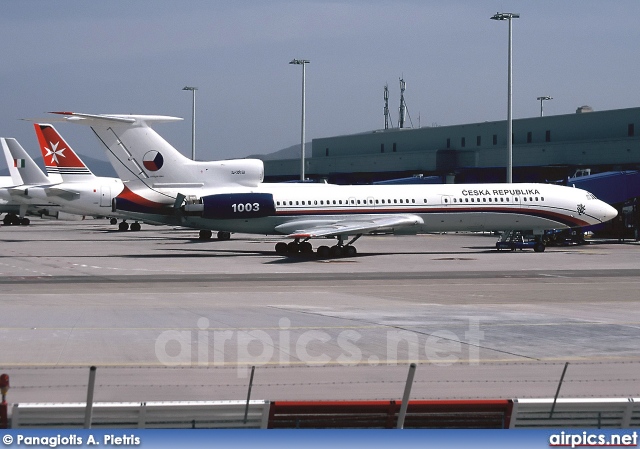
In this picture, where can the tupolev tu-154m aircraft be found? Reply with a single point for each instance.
(164, 186)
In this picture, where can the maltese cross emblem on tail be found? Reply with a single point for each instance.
(54, 152)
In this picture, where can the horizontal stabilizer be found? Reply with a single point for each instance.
(117, 118)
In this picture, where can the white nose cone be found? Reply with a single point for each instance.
(610, 212)
(604, 212)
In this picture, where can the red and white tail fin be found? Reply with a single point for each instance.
(58, 156)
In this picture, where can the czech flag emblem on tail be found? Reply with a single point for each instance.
(152, 160)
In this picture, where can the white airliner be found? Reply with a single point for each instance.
(7, 205)
(230, 196)
(87, 194)
(24, 173)
(70, 187)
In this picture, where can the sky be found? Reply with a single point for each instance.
(123, 56)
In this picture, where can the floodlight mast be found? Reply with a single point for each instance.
(193, 121)
(546, 97)
(303, 63)
(508, 16)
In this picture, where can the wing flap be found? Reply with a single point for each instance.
(348, 226)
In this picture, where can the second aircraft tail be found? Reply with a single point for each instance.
(58, 156)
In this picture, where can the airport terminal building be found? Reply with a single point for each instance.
(544, 149)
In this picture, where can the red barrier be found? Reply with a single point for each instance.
(4, 420)
(478, 414)
(4, 415)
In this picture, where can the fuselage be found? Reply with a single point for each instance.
(91, 198)
(440, 208)
(163, 186)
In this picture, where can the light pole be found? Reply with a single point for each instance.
(508, 16)
(302, 62)
(541, 100)
(193, 121)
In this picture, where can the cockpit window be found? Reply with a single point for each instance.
(591, 196)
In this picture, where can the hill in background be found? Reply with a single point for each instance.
(97, 166)
(104, 168)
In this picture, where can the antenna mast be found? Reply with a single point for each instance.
(386, 106)
(403, 106)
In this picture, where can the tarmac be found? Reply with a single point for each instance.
(166, 316)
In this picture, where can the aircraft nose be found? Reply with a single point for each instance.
(607, 212)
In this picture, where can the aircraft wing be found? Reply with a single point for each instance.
(348, 226)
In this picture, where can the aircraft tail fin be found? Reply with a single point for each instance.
(137, 152)
(22, 167)
(58, 156)
(145, 160)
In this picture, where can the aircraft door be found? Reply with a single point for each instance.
(517, 201)
(105, 196)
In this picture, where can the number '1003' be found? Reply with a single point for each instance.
(248, 207)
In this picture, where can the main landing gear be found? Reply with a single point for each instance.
(13, 220)
(124, 226)
(323, 252)
(206, 234)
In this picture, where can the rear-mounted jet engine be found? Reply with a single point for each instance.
(227, 206)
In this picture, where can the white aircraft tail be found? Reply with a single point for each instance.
(22, 167)
(59, 157)
(141, 157)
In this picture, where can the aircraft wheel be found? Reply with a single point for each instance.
(306, 248)
(349, 251)
(113, 221)
(205, 234)
(123, 226)
(336, 251)
(539, 247)
(293, 248)
(10, 220)
(281, 248)
(25, 221)
(135, 226)
(323, 252)
(224, 235)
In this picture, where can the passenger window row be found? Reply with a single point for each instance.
(345, 202)
(402, 201)
(493, 200)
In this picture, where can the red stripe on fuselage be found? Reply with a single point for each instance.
(129, 195)
(541, 213)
